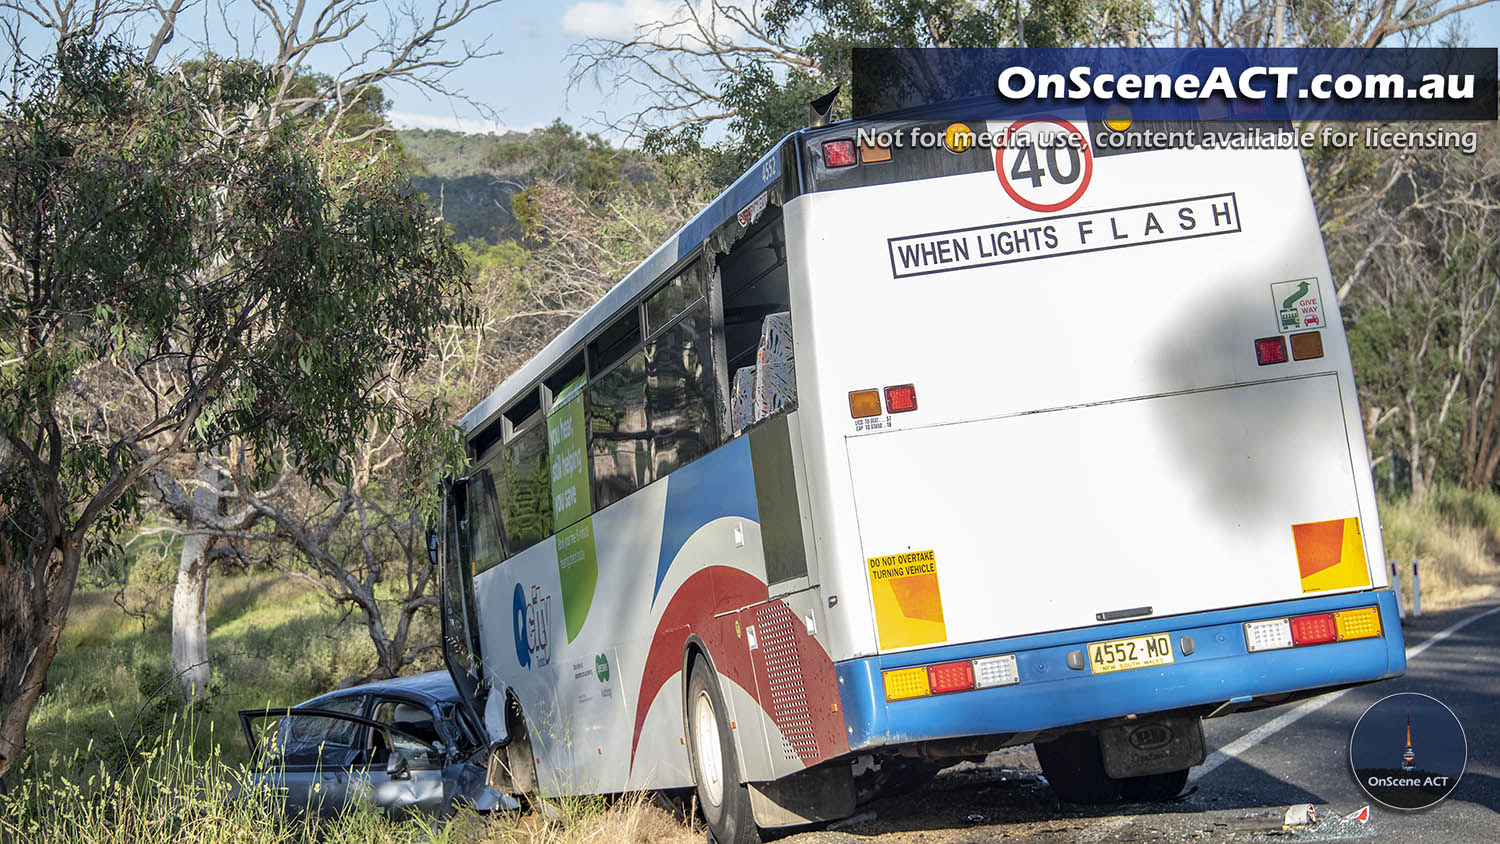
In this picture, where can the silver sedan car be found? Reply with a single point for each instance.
(403, 745)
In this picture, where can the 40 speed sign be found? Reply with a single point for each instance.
(1044, 164)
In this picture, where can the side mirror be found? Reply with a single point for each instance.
(397, 768)
(432, 546)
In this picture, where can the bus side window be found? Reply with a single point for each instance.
(485, 542)
(524, 488)
(654, 411)
(757, 324)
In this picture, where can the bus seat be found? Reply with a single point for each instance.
(775, 382)
(742, 399)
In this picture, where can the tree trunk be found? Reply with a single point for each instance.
(190, 597)
(24, 684)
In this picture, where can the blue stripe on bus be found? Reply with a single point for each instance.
(718, 484)
(1052, 695)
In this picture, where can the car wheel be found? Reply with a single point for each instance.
(725, 800)
(1074, 765)
(1154, 788)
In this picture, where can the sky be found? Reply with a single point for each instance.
(528, 84)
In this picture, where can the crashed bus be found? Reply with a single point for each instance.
(897, 454)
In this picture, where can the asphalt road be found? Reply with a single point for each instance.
(1259, 764)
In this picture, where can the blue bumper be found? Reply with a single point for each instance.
(1052, 695)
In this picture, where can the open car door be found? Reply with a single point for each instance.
(321, 761)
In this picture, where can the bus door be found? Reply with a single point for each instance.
(461, 650)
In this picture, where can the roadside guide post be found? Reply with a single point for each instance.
(1416, 590)
(1396, 585)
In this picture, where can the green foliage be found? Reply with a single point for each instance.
(191, 269)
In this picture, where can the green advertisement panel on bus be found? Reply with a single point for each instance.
(577, 565)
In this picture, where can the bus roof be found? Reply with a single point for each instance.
(745, 189)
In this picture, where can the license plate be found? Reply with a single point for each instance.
(1125, 654)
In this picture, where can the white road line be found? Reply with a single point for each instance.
(1286, 719)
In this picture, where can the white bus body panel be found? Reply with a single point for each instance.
(1038, 467)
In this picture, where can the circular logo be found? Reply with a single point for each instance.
(1044, 164)
(1408, 751)
(518, 624)
(1117, 117)
(958, 137)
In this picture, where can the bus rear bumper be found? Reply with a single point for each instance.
(1051, 695)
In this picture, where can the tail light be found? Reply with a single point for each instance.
(838, 153)
(1268, 635)
(1357, 624)
(1270, 350)
(906, 683)
(996, 671)
(901, 399)
(872, 154)
(863, 403)
(951, 677)
(1313, 629)
(960, 675)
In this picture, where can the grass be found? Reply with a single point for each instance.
(169, 792)
(274, 641)
(1455, 536)
(114, 758)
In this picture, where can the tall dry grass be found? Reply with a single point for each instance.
(1455, 536)
(169, 791)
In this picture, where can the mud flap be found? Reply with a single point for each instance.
(1151, 746)
(824, 793)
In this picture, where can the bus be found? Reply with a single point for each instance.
(924, 439)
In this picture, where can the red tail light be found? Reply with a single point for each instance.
(1270, 350)
(951, 677)
(838, 153)
(1313, 629)
(901, 399)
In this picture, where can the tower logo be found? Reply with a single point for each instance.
(1383, 751)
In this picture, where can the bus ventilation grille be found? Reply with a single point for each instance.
(777, 627)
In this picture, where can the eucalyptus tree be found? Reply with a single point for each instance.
(177, 276)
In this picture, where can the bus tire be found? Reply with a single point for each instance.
(1074, 765)
(1154, 788)
(724, 800)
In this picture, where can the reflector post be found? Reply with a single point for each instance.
(901, 399)
(839, 153)
(1268, 635)
(1313, 629)
(1357, 624)
(904, 683)
(1270, 350)
(864, 403)
(996, 671)
(951, 677)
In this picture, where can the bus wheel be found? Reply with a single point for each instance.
(716, 772)
(1154, 788)
(1074, 765)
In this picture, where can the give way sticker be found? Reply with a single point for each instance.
(1044, 164)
